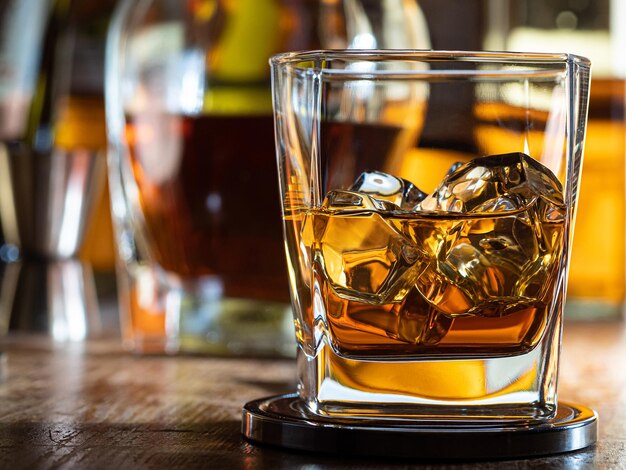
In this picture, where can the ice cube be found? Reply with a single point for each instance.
(420, 323)
(495, 183)
(412, 321)
(363, 256)
(491, 265)
(506, 252)
(454, 167)
(473, 280)
(353, 201)
(383, 186)
(442, 294)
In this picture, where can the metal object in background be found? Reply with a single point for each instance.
(45, 198)
(58, 298)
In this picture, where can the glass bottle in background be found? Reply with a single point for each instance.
(192, 161)
(597, 279)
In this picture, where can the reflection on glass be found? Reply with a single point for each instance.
(597, 279)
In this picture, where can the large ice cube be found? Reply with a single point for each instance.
(412, 321)
(504, 254)
(363, 255)
(495, 183)
(418, 322)
(383, 186)
(491, 272)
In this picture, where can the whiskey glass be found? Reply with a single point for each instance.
(428, 203)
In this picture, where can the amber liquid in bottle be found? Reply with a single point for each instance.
(208, 190)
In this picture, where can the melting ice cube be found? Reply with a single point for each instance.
(363, 254)
(506, 252)
(495, 183)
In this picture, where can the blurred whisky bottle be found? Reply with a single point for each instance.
(597, 276)
(193, 162)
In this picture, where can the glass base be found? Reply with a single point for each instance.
(165, 314)
(286, 422)
(505, 389)
(238, 327)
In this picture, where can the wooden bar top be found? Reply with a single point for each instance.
(92, 405)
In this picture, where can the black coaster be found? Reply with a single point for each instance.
(284, 421)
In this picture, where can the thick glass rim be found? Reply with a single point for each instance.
(376, 55)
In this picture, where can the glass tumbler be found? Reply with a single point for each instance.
(428, 204)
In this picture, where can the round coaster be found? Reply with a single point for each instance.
(284, 421)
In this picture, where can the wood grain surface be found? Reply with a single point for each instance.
(92, 405)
